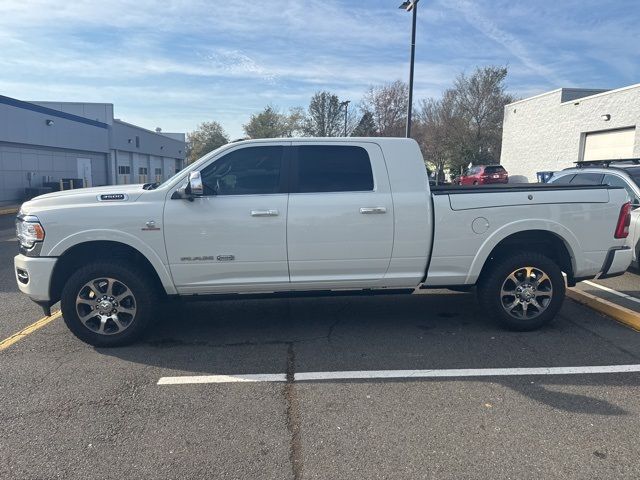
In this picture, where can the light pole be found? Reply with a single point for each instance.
(411, 6)
(345, 104)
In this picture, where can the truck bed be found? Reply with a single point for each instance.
(511, 187)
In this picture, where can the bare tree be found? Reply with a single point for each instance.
(440, 132)
(481, 98)
(388, 106)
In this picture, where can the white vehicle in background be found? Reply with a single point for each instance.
(309, 216)
(618, 173)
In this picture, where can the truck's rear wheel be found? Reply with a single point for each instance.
(522, 292)
(106, 305)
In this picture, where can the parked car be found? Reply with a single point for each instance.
(484, 174)
(306, 217)
(620, 173)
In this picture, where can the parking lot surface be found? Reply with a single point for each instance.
(72, 411)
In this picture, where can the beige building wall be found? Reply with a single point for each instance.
(547, 132)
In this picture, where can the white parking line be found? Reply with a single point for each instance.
(276, 377)
(614, 292)
(387, 374)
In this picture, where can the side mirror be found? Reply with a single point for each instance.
(195, 187)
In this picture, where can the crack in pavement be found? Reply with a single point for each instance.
(293, 416)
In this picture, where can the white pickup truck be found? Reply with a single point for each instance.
(312, 216)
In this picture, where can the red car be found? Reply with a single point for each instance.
(484, 174)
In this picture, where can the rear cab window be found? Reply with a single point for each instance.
(331, 168)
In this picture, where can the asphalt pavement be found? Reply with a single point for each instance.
(628, 283)
(70, 411)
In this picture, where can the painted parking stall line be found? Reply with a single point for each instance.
(16, 337)
(612, 291)
(402, 374)
(276, 377)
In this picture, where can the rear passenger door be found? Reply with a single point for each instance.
(340, 215)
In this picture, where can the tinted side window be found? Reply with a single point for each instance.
(615, 181)
(563, 180)
(333, 168)
(587, 179)
(246, 171)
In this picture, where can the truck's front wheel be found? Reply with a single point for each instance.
(106, 305)
(522, 292)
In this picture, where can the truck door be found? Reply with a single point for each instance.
(340, 220)
(235, 235)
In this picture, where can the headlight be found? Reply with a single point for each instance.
(29, 231)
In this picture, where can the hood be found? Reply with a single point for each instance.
(108, 194)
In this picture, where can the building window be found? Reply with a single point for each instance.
(143, 173)
(124, 174)
(137, 141)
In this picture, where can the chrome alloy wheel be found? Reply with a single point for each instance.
(106, 306)
(526, 293)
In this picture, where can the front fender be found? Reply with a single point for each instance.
(121, 237)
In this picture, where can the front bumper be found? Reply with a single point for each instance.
(616, 262)
(33, 276)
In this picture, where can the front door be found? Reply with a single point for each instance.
(340, 220)
(84, 171)
(234, 235)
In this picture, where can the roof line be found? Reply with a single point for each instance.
(50, 111)
(608, 92)
(535, 96)
(146, 129)
(599, 94)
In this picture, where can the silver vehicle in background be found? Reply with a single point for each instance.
(623, 173)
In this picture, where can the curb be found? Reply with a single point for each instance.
(9, 211)
(621, 314)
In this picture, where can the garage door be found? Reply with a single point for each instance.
(609, 145)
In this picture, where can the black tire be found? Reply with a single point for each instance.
(144, 297)
(475, 182)
(491, 299)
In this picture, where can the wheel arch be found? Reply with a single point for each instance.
(82, 253)
(560, 247)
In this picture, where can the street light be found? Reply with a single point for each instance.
(411, 6)
(345, 104)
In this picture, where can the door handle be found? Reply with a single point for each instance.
(264, 213)
(370, 210)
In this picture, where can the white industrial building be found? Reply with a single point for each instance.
(554, 130)
(42, 143)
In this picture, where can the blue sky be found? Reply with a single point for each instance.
(177, 63)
